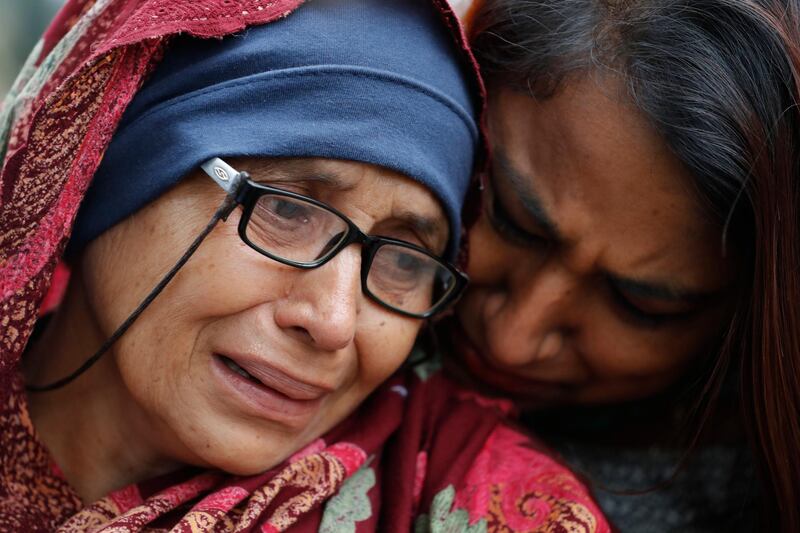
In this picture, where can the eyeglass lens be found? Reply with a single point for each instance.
(301, 232)
(407, 279)
(294, 229)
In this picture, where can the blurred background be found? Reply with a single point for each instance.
(21, 24)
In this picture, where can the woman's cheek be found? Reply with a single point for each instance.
(615, 350)
(383, 344)
(489, 256)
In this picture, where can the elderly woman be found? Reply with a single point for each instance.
(269, 225)
(638, 257)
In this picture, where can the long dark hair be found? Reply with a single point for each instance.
(720, 81)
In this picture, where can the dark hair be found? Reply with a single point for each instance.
(719, 80)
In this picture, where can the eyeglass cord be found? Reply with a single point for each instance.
(222, 213)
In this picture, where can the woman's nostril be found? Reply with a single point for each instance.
(300, 333)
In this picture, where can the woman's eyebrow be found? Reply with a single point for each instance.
(305, 172)
(434, 229)
(520, 185)
(661, 291)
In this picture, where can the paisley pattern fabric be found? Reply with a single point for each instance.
(373, 473)
(547, 497)
(236, 506)
(415, 453)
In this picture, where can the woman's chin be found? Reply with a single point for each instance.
(243, 460)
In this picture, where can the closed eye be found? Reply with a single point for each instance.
(641, 317)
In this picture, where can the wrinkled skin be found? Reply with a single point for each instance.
(162, 396)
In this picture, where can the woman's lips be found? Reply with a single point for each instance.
(275, 379)
(268, 392)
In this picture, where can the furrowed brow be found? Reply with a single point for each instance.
(431, 229)
(520, 184)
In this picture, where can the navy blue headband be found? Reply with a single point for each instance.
(377, 81)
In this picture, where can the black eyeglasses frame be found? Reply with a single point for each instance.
(247, 194)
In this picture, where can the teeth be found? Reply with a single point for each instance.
(239, 370)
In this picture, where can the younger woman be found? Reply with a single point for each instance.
(640, 246)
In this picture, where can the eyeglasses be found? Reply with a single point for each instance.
(302, 232)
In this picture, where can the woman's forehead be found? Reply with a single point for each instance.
(607, 183)
(335, 174)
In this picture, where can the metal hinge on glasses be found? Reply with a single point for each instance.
(227, 177)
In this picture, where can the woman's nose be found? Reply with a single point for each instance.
(322, 305)
(527, 321)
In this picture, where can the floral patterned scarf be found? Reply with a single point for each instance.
(419, 454)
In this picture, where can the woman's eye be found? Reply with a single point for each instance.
(290, 210)
(287, 213)
(408, 264)
(398, 264)
(506, 226)
(281, 220)
(641, 317)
